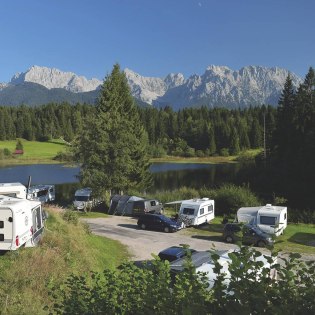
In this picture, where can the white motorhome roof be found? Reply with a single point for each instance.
(16, 204)
(39, 187)
(248, 210)
(83, 192)
(196, 201)
(11, 184)
(261, 209)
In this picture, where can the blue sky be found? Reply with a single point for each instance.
(155, 37)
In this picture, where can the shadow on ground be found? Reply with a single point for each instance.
(307, 239)
(215, 238)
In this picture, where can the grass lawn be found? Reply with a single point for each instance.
(34, 151)
(92, 215)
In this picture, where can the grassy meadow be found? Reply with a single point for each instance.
(27, 275)
(34, 151)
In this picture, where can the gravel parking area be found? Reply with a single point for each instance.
(142, 243)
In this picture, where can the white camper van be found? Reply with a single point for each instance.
(196, 211)
(13, 190)
(21, 222)
(42, 193)
(270, 219)
(83, 199)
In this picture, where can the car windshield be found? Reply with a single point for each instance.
(81, 198)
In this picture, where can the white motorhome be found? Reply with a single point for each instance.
(270, 219)
(196, 211)
(21, 222)
(13, 190)
(42, 193)
(83, 199)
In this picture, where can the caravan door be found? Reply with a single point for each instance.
(6, 229)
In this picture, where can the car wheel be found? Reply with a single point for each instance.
(143, 226)
(166, 229)
(261, 244)
(229, 239)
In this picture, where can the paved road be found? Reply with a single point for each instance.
(142, 243)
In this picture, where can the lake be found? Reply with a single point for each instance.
(166, 176)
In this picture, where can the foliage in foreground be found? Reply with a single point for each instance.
(27, 274)
(250, 290)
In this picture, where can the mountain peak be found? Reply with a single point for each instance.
(54, 78)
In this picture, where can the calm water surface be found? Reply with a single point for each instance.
(166, 176)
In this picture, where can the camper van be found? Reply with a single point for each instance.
(42, 193)
(83, 199)
(21, 223)
(269, 219)
(13, 190)
(196, 211)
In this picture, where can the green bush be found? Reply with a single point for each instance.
(70, 216)
(229, 198)
(224, 152)
(131, 290)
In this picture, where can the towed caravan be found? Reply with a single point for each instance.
(43, 193)
(269, 219)
(196, 211)
(21, 222)
(13, 190)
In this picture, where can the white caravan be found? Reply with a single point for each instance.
(21, 222)
(42, 193)
(205, 265)
(270, 219)
(13, 190)
(196, 211)
(83, 199)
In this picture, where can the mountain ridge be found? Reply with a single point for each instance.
(217, 86)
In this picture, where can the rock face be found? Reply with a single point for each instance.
(217, 86)
(52, 78)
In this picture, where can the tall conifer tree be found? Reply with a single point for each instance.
(112, 146)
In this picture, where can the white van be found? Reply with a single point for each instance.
(196, 211)
(13, 190)
(270, 219)
(21, 223)
(42, 193)
(83, 199)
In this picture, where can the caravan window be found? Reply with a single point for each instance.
(42, 193)
(202, 211)
(267, 220)
(1, 237)
(189, 211)
(153, 203)
(285, 216)
(210, 208)
(1, 224)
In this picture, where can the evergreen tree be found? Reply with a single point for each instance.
(112, 145)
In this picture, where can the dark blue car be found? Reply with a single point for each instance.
(174, 252)
(158, 222)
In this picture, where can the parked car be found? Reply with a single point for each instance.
(252, 235)
(158, 222)
(174, 252)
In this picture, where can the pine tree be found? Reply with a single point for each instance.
(112, 145)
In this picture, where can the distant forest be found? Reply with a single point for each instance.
(188, 132)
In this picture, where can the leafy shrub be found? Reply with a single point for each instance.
(131, 290)
(229, 198)
(70, 216)
(224, 152)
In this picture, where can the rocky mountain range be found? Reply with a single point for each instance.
(217, 86)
